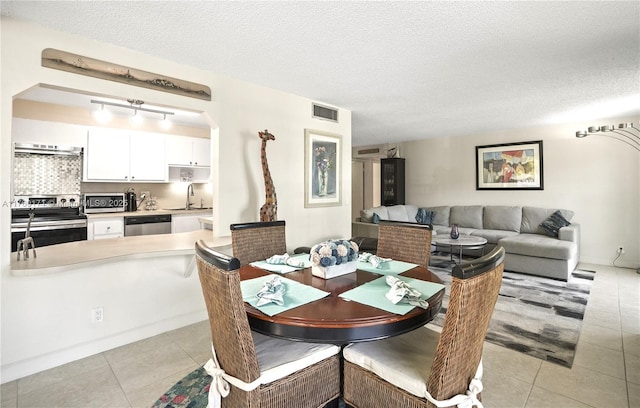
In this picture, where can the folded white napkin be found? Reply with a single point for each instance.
(402, 292)
(372, 259)
(271, 292)
(285, 260)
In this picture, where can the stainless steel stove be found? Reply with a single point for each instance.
(57, 219)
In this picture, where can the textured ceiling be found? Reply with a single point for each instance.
(406, 70)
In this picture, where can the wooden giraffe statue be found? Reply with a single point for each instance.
(269, 211)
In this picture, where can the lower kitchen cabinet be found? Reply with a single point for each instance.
(185, 223)
(104, 228)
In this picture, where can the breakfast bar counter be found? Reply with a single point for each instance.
(63, 257)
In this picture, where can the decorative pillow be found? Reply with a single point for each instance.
(424, 216)
(552, 224)
(376, 218)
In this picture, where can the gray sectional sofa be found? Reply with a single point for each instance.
(529, 249)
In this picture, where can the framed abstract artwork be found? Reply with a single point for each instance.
(512, 166)
(322, 172)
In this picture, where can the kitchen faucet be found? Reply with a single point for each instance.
(189, 203)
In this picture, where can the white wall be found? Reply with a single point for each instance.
(237, 112)
(596, 177)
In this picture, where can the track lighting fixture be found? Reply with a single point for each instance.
(103, 115)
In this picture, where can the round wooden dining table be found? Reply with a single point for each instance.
(333, 319)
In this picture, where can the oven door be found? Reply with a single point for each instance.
(50, 234)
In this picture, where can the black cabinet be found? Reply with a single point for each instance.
(392, 181)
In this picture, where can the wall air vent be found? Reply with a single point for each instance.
(325, 112)
(369, 151)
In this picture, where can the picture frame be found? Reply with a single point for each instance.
(322, 169)
(510, 166)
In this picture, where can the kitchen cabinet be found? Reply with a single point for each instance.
(117, 155)
(104, 228)
(188, 151)
(185, 223)
(48, 133)
(392, 181)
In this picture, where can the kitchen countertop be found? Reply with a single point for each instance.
(63, 257)
(193, 211)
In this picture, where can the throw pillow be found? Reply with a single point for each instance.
(424, 216)
(376, 218)
(552, 224)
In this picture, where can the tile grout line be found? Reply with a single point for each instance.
(117, 379)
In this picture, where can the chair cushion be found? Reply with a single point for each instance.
(404, 361)
(278, 358)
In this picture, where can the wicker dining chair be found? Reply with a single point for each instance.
(406, 242)
(290, 373)
(404, 371)
(257, 241)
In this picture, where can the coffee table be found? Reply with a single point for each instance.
(462, 242)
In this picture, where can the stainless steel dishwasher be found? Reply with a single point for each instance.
(147, 225)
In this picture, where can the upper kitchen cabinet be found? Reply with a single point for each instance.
(188, 151)
(117, 155)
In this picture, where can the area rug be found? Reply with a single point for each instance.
(537, 316)
(190, 392)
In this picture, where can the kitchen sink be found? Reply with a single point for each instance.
(188, 209)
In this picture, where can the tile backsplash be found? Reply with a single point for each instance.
(46, 174)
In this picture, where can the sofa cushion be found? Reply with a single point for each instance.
(500, 217)
(398, 213)
(440, 214)
(552, 225)
(469, 216)
(367, 215)
(540, 246)
(412, 211)
(532, 217)
(493, 235)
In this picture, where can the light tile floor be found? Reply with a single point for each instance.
(605, 373)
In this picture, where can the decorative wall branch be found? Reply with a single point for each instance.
(78, 64)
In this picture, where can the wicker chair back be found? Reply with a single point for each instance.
(405, 242)
(473, 295)
(257, 241)
(230, 331)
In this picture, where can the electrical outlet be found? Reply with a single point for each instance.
(97, 315)
(620, 250)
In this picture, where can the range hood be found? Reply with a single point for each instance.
(47, 149)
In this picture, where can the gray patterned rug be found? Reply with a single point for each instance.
(537, 316)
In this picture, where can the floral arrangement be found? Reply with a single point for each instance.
(323, 161)
(334, 252)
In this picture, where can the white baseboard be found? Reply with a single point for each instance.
(57, 358)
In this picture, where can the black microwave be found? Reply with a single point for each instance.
(104, 202)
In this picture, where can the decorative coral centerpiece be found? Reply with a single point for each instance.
(334, 258)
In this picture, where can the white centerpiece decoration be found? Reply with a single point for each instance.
(334, 258)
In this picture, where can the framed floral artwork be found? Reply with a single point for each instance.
(322, 172)
(513, 166)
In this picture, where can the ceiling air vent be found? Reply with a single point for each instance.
(325, 112)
